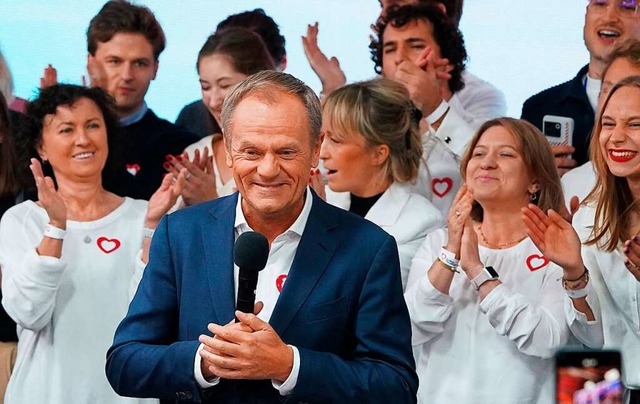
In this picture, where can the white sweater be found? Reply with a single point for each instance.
(498, 350)
(67, 309)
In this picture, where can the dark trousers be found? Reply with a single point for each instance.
(634, 397)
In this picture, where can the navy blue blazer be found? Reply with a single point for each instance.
(567, 99)
(342, 307)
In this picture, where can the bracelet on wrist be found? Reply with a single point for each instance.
(449, 267)
(576, 284)
(54, 232)
(449, 257)
(148, 232)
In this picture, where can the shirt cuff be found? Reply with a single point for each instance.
(429, 293)
(495, 295)
(197, 372)
(288, 385)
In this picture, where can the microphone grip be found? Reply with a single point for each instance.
(247, 283)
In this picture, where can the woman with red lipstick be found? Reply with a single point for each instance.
(372, 151)
(227, 57)
(601, 257)
(72, 260)
(485, 304)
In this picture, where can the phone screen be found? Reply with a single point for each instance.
(588, 377)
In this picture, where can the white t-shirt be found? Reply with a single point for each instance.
(498, 350)
(67, 309)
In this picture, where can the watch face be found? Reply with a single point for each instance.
(492, 272)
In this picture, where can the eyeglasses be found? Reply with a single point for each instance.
(625, 8)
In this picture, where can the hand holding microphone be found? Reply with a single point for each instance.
(232, 352)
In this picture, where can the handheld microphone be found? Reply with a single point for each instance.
(250, 254)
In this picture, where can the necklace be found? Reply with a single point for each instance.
(499, 246)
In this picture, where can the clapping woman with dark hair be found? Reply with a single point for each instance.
(71, 261)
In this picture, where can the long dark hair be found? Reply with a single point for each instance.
(246, 50)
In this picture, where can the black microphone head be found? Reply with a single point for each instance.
(251, 251)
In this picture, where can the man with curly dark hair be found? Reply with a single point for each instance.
(421, 48)
(476, 103)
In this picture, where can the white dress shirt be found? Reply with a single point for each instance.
(578, 182)
(498, 350)
(439, 173)
(613, 297)
(478, 101)
(270, 282)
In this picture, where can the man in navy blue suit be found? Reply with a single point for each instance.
(331, 325)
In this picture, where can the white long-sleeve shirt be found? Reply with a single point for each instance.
(498, 350)
(67, 309)
(478, 101)
(614, 296)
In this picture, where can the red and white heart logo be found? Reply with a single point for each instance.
(441, 186)
(133, 169)
(535, 262)
(108, 245)
(280, 280)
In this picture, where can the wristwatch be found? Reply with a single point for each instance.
(487, 274)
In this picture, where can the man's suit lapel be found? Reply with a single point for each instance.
(312, 257)
(218, 237)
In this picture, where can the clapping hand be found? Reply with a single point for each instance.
(200, 179)
(48, 196)
(164, 198)
(425, 80)
(328, 70)
(459, 214)
(49, 78)
(250, 349)
(555, 238)
(317, 183)
(631, 250)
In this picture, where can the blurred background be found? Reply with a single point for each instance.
(522, 47)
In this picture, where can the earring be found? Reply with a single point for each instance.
(533, 197)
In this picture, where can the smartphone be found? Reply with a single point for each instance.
(588, 377)
(558, 130)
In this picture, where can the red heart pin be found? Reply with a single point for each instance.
(441, 186)
(108, 245)
(133, 169)
(280, 280)
(535, 262)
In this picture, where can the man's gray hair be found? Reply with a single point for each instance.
(266, 86)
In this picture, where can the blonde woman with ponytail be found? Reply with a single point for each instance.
(371, 153)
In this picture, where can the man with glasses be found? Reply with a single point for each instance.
(608, 23)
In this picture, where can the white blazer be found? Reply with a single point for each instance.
(405, 215)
